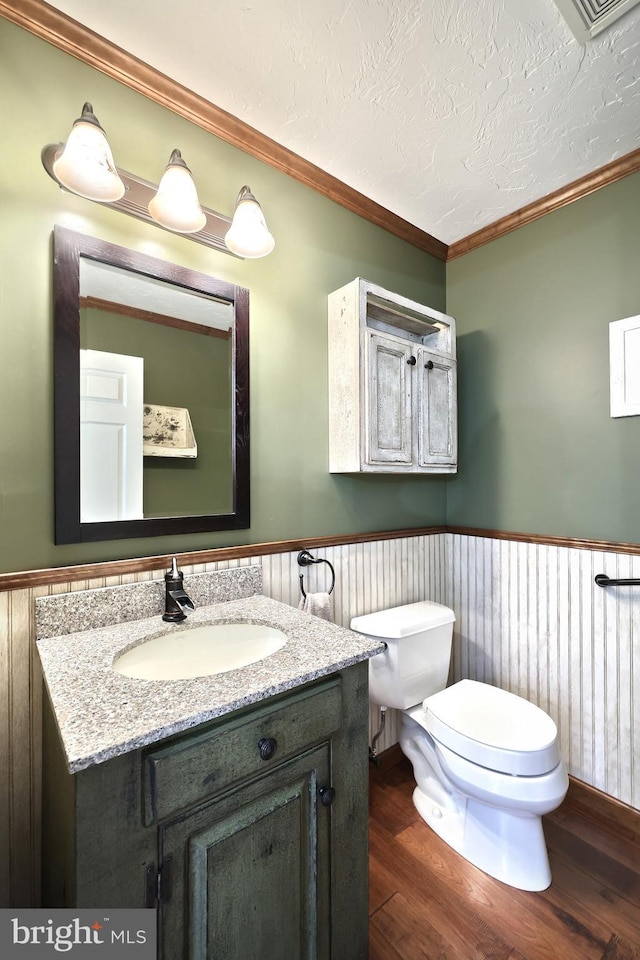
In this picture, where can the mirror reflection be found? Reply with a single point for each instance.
(155, 398)
(161, 403)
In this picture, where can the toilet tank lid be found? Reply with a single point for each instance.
(403, 621)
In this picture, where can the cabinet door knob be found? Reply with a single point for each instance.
(327, 796)
(411, 361)
(267, 747)
(429, 364)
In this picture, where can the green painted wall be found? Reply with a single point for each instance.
(320, 246)
(539, 452)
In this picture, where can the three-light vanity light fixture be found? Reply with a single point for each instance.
(85, 166)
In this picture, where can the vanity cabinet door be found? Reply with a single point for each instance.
(250, 871)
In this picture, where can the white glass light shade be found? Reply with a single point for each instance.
(176, 205)
(86, 165)
(248, 236)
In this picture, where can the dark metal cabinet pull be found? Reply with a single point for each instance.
(267, 747)
(327, 796)
(411, 361)
(429, 365)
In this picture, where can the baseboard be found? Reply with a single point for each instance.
(603, 806)
(389, 758)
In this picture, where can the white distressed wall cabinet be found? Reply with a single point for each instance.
(392, 384)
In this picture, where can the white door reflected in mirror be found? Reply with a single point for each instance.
(111, 409)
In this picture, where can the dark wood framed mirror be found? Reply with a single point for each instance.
(151, 395)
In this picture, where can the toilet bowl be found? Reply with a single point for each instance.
(486, 762)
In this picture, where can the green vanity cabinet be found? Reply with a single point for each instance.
(247, 833)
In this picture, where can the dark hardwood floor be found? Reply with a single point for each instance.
(425, 901)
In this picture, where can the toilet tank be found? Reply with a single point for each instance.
(415, 664)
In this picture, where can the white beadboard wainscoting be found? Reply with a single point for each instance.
(529, 619)
(369, 576)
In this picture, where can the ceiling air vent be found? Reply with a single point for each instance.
(587, 18)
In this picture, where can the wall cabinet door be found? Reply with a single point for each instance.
(250, 871)
(411, 404)
(436, 417)
(388, 418)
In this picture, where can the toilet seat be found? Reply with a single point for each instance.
(492, 728)
(531, 794)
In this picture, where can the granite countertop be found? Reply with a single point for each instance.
(102, 714)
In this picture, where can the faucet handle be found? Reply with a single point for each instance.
(174, 573)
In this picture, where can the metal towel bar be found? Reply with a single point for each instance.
(604, 581)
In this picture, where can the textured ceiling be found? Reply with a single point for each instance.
(450, 114)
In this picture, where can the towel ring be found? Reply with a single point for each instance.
(305, 560)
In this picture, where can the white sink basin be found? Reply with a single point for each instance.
(200, 651)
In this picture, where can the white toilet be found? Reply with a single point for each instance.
(486, 762)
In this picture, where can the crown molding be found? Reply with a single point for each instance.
(612, 172)
(78, 41)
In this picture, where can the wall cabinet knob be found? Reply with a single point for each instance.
(267, 747)
(411, 361)
(429, 365)
(327, 796)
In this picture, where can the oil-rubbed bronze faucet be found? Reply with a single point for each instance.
(177, 604)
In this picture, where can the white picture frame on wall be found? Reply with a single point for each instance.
(624, 360)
